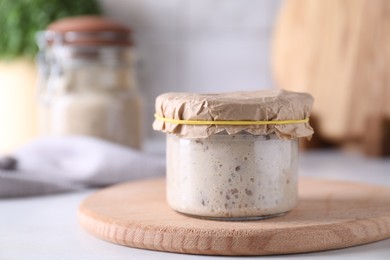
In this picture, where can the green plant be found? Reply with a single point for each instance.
(21, 19)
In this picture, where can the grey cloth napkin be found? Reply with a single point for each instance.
(59, 164)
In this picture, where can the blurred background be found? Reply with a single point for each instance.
(95, 67)
(336, 50)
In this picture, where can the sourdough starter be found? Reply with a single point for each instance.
(232, 176)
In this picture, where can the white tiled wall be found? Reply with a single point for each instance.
(198, 45)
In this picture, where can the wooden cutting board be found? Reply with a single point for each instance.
(339, 51)
(330, 215)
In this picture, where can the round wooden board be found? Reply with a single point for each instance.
(329, 215)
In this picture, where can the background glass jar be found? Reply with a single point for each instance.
(89, 89)
(234, 177)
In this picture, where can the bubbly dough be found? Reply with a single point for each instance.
(232, 176)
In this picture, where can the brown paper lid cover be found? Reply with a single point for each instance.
(262, 105)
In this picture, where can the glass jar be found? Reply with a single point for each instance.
(233, 156)
(235, 177)
(88, 84)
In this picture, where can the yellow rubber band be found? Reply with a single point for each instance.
(222, 122)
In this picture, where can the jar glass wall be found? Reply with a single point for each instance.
(240, 176)
(89, 90)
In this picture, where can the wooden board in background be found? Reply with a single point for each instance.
(330, 215)
(338, 50)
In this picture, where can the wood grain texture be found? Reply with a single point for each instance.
(329, 215)
(338, 50)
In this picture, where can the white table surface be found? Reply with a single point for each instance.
(46, 227)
